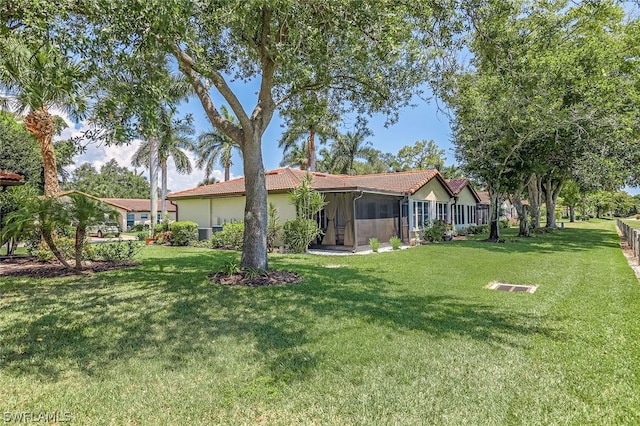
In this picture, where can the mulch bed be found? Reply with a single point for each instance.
(21, 267)
(265, 279)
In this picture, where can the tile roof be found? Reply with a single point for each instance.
(484, 197)
(285, 179)
(137, 204)
(458, 184)
(10, 179)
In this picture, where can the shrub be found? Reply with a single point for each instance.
(184, 232)
(138, 227)
(67, 249)
(142, 235)
(117, 251)
(160, 228)
(505, 223)
(230, 238)
(299, 233)
(478, 229)
(165, 237)
(434, 231)
(395, 242)
(375, 244)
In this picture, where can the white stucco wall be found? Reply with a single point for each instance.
(195, 210)
(207, 212)
(432, 191)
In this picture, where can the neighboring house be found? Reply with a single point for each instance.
(507, 210)
(134, 211)
(358, 207)
(466, 200)
(130, 211)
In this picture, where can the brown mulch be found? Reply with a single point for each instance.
(22, 267)
(265, 279)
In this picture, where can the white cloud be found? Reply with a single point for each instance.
(99, 154)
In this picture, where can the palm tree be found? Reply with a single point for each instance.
(174, 138)
(296, 155)
(34, 82)
(215, 146)
(313, 118)
(348, 148)
(85, 211)
(40, 215)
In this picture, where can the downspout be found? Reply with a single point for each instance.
(355, 226)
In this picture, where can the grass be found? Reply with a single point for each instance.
(407, 337)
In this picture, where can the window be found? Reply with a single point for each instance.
(441, 212)
(131, 218)
(459, 214)
(144, 216)
(159, 219)
(471, 214)
(420, 213)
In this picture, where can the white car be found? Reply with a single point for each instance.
(103, 229)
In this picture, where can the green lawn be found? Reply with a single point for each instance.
(408, 337)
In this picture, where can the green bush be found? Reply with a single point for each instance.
(184, 232)
(478, 229)
(395, 242)
(505, 223)
(299, 233)
(160, 228)
(143, 235)
(117, 251)
(433, 231)
(374, 243)
(66, 246)
(230, 238)
(138, 227)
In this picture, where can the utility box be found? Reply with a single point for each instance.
(204, 234)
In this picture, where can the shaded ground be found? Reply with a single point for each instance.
(262, 279)
(28, 267)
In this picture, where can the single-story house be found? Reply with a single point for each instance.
(130, 211)
(358, 207)
(134, 211)
(507, 210)
(466, 200)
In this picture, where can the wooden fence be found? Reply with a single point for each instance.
(632, 235)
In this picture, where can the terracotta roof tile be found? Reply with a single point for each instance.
(285, 179)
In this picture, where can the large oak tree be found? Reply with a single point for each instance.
(370, 56)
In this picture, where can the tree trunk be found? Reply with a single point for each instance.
(153, 178)
(163, 167)
(494, 216)
(523, 216)
(551, 190)
(48, 238)
(227, 167)
(535, 200)
(572, 214)
(80, 233)
(254, 253)
(311, 158)
(41, 124)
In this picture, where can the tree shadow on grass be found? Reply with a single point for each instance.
(558, 241)
(167, 310)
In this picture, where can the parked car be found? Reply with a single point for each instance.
(103, 229)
